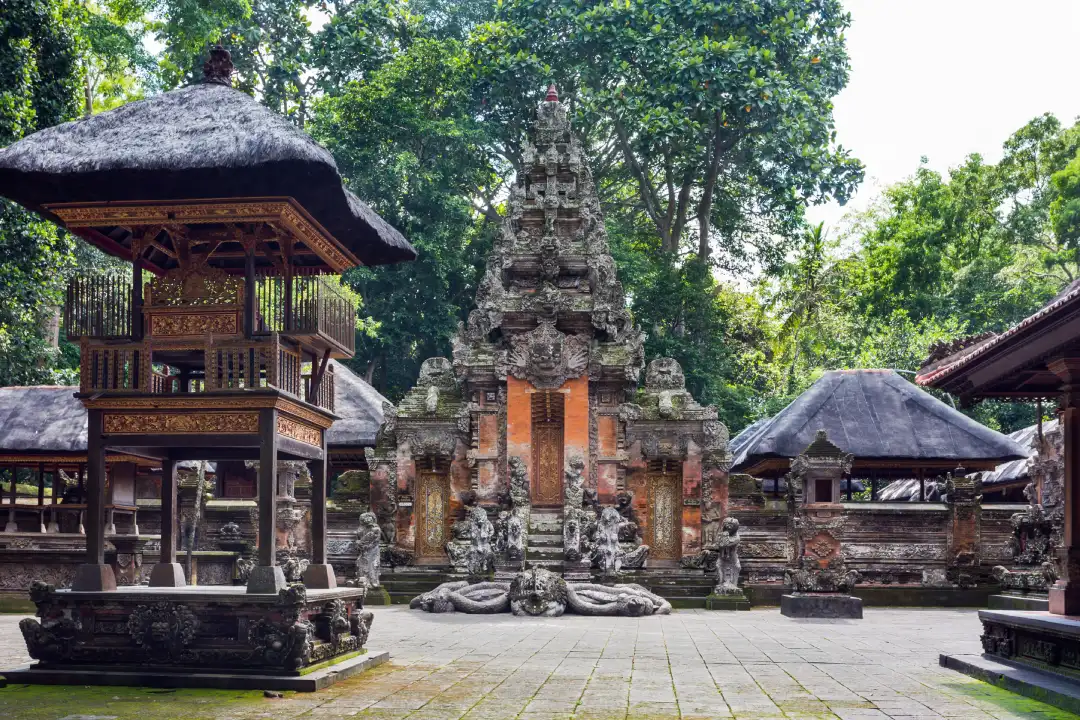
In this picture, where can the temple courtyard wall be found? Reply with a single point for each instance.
(900, 548)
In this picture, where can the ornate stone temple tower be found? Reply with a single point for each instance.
(540, 384)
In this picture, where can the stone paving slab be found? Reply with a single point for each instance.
(693, 664)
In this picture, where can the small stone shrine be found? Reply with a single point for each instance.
(534, 447)
(223, 355)
(818, 577)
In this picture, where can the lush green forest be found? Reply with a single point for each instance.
(709, 129)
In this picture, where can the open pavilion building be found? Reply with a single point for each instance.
(1037, 359)
(893, 429)
(235, 223)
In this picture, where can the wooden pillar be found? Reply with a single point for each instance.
(266, 577)
(167, 572)
(249, 290)
(873, 487)
(94, 574)
(1065, 594)
(137, 294)
(921, 474)
(12, 525)
(41, 496)
(319, 574)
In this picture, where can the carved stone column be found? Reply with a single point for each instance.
(964, 535)
(1065, 594)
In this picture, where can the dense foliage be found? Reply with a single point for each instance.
(709, 129)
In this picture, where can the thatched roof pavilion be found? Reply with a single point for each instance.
(205, 141)
(893, 429)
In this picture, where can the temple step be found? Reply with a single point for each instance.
(545, 540)
(545, 553)
(554, 566)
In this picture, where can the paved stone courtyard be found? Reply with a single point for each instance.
(691, 664)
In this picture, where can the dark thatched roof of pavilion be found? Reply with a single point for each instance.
(205, 141)
(42, 419)
(875, 415)
(359, 408)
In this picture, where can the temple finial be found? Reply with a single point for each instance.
(552, 94)
(218, 68)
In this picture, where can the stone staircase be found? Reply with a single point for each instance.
(545, 541)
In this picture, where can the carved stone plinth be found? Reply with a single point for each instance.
(1033, 639)
(727, 602)
(193, 629)
(821, 605)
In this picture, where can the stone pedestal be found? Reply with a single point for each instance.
(1036, 640)
(727, 602)
(1019, 601)
(821, 605)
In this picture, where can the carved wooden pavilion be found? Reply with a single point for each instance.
(1038, 358)
(235, 223)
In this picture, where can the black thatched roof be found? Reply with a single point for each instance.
(206, 141)
(41, 419)
(875, 415)
(359, 407)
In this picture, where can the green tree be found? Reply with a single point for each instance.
(719, 115)
(39, 82)
(408, 141)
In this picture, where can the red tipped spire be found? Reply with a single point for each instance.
(552, 94)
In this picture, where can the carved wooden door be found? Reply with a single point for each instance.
(547, 441)
(433, 507)
(665, 510)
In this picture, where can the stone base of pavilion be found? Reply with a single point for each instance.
(1031, 653)
(212, 637)
(1019, 601)
(821, 605)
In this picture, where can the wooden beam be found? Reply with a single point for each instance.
(317, 377)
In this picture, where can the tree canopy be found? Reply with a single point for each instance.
(709, 129)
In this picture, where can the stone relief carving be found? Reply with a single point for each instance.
(546, 357)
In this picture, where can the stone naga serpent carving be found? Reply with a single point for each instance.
(542, 593)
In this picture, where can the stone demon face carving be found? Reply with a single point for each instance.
(538, 592)
(664, 374)
(546, 357)
(545, 353)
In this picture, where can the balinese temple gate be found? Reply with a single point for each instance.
(538, 419)
(218, 350)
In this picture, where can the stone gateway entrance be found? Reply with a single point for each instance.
(556, 454)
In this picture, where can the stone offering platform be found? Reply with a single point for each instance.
(821, 605)
(217, 636)
(1036, 640)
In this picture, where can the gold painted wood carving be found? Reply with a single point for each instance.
(153, 423)
(548, 456)
(433, 499)
(287, 427)
(212, 401)
(284, 212)
(199, 286)
(184, 324)
(665, 505)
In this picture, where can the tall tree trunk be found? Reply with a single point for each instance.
(705, 205)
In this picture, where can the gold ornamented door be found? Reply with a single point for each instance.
(547, 441)
(432, 511)
(664, 483)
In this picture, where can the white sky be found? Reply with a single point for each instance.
(946, 78)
